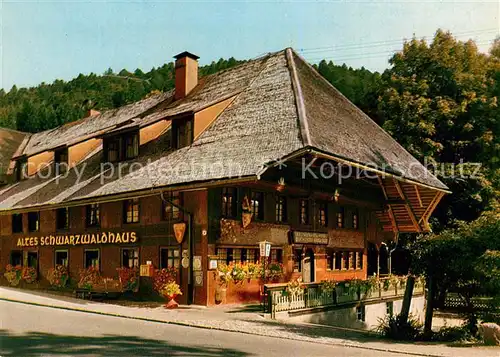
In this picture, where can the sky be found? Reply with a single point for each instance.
(46, 40)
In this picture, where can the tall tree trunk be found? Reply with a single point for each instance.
(405, 309)
(429, 308)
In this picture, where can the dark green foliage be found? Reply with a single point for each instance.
(452, 334)
(360, 86)
(397, 328)
(49, 105)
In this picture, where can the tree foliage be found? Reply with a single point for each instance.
(49, 105)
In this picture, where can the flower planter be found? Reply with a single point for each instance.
(172, 304)
(220, 295)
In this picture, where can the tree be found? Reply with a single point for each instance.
(450, 260)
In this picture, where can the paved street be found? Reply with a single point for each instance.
(32, 330)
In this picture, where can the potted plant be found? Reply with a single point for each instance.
(90, 279)
(129, 278)
(254, 271)
(274, 272)
(171, 291)
(294, 287)
(223, 276)
(238, 273)
(13, 274)
(162, 277)
(29, 275)
(58, 276)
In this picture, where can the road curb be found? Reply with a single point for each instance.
(206, 327)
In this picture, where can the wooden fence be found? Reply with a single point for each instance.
(313, 295)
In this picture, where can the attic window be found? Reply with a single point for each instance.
(61, 160)
(182, 132)
(21, 170)
(33, 221)
(121, 147)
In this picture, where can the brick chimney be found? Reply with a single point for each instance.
(186, 74)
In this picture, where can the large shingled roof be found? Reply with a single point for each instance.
(282, 105)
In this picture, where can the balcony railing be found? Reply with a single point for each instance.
(277, 298)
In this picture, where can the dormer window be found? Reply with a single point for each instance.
(182, 132)
(21, 170)
(61, 160)
(121, 147)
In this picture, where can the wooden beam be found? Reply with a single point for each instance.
(391, 214)
(431, 206)
(418, 196)
(409, 207)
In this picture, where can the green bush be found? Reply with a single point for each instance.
(451, 334)
(394, 327)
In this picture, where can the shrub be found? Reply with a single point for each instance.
(129, 278)
(58, 276)
(450, 334)
(394, 327)
(89, 277)
(239, 272)
(29, 275)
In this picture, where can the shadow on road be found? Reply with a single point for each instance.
(34, 344)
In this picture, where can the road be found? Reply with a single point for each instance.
(27, 330)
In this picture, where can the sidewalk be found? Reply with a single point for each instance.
(244, 319)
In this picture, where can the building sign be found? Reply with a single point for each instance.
(310, 238)
(79, 239)
(197, 263)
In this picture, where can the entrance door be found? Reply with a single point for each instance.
(309, 267)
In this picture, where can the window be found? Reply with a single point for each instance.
(229, 202)
(355, 220)
(257, 205)
(131, 146)
(62, 218)
(169, 258)
(276, 256)
(121, 147)
(347, 260)
(171, 206)
(252, 255)
(281, 212)
(389, 308)
(340, 217)
(352, 260)
(91, 258)
(130, 258)
(32, 259)
(323, 214)
(33, 221)
(21, 170)
(223, 256)
(304, 211)
(112, 149)
(297, 260)
(61, 160)
(360, 313)
(131, 211)
(17, 223)
(93, 216)
(61, 257)
(182, 130)
(359, 260)
(330, 257)
(338, 261)
(16, 258)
